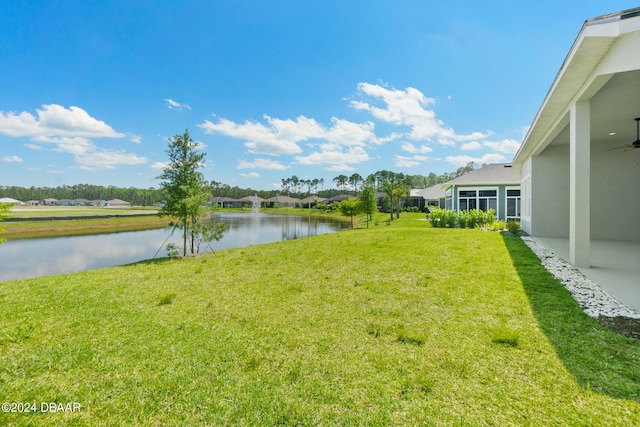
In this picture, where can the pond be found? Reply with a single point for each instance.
(26, 258)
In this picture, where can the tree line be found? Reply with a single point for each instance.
(291, 186)
(378, 180)
(135, 196)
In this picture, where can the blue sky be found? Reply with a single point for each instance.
(92, 91)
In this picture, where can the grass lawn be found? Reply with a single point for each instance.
(391, 325)
(58, 211)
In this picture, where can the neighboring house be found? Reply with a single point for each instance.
(8, 200)
(576, 182)
(50, 202)
(117, 202)
(281, 201)
(224, 202)
(492, 186)
(431, 196)
(339, 198)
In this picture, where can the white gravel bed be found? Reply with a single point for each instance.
(592, 298)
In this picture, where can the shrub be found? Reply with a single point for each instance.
(451, 218)
(463, 219)
(437, 217)
(513, 226)
(172, 250)
(498, 226)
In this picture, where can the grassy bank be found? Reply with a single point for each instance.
(394, 325)
(73, 227)
(127, 220)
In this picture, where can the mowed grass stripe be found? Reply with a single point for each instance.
(394, 325)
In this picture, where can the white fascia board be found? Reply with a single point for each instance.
(591, 45)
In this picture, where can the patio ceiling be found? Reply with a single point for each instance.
(613, 109)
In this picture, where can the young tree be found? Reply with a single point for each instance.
(184, 186)
(350, 208)
(387, 189)
(4, 211)
(401, 191)
(368, 202)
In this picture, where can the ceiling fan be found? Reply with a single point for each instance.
(634, 144)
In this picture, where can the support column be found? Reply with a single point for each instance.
(579, 184)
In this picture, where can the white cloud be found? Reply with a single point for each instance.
(410, 148)
(251, 175)
(470, 146)
(174, 105)
(409, 108)
(405, 162)
(136, 139)
(107, 159)
(282, 137)
(408, 161)
(200, 146)
(261, 164)
(335, 156)
(71, 130)
(507, 146)
(76, 145)
(462, 160)
(159, 165)
(55, 120)
(33, 146)
(11, 159)
(348, 133)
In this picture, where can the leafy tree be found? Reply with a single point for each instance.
(350, 208)
(341, 181)
(4, 211)
(394, 192)
(368, 202)
(390, 194)
(355, 181)
(184, 186)
(401, 191)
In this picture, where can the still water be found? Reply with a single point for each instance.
(21, 259)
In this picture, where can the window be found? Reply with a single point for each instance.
(513, 204)
(448, 203)
(478, 199)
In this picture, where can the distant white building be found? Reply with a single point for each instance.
(8, 200)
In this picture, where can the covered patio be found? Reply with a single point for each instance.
(614, 266)
(579, 166)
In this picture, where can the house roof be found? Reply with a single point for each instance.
(9, 200)
(340, 197)
(283, 199)
(313, 198)
(222, 199)
(434, 192)
(251, 199)
(583, 74)
(117, 202)
(492, 174)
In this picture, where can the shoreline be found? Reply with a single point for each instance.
(43, 226)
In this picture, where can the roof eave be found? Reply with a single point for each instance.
(592, 43)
